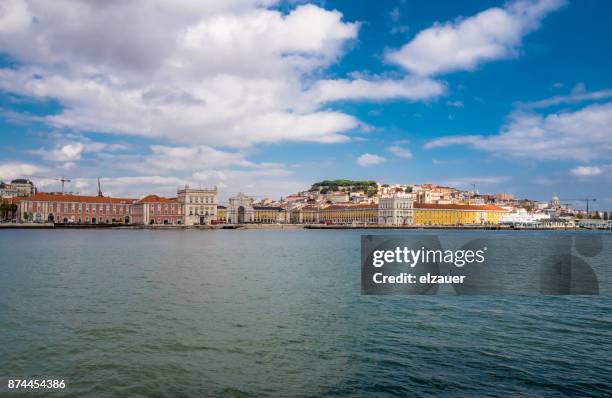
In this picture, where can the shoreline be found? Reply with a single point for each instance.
(288, 226)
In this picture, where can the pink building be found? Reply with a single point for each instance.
(75, 209)
(155, 210)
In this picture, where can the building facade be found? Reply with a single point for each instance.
(240, 209)
(75, 209)
(453, 214)
(221, 215)
(156, 210)
(199, 205)
(268, 214)
(349, 213)
(396, 210)
(17, 188)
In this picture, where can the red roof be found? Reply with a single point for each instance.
(436, 206)
(352, 206)
(157, 199)
(47, 197)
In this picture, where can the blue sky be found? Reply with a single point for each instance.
(267, 97)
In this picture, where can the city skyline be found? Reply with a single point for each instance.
(267, 97)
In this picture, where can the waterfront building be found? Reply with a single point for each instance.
(455, 214)
(522, 217)
(75, 209)
(396, 209)
(268, 214)
(562, 222)
(240, 209)
(309, 214)
(595, 224)
(199, 205)
(221, 214)
(349, 213)
(155, 210)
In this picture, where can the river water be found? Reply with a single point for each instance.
(275, 313)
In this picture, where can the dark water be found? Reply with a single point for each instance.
(276, 313)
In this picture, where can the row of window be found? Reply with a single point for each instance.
(200, 199)
(57, 207)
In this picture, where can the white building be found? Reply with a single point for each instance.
(200, 205)
(338, 197)
(17, 188)
(521, 216)
(240, 209)
(396, 209)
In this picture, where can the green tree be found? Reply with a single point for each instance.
(408, 190)
(4, 209)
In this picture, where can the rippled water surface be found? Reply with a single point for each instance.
(278, 313)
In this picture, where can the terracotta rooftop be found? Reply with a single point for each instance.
(351, 206)
(47, 197)
(435, 206)
(156, 199)
(267, 208)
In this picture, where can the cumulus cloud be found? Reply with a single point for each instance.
(583, 135)
(369, 159)
(64, 153)
(166, 158)
(12, 170)
(591, 171)
(231, 73)
(464, 44)
(400, 152)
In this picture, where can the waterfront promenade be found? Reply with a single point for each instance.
(286, 226)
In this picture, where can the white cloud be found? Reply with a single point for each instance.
(271, 183)
(185, 158)
(583, 135)
(214, 73)
(165, 158)
(230, 73)
(411, 88)
(455, 104)
(66, 153)
(368, 159)
(573, 98)
(591, 171)
(464, 44)
(400, 152)
(12, 170)
(468, 182)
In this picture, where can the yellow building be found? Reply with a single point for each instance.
(221, 214)
(268, 214)
(349, 214)
(452, 214)
(309, 214)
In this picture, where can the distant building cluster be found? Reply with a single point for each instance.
(341, 202)
(17, 188)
